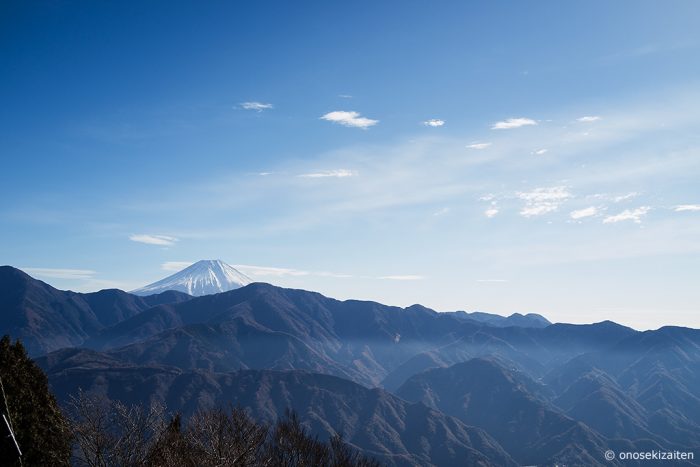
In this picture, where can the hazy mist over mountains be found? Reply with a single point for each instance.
(407, 386)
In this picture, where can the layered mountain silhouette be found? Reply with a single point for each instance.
(470, 389)
(47, 319)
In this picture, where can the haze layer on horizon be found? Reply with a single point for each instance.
(512, 157)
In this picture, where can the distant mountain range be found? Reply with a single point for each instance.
(201, 278)
(468, 389)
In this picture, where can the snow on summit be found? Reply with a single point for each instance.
(202, 278)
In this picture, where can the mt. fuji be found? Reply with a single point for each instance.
(204, 277)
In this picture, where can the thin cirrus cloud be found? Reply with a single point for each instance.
(634, 215)
(478, 145)
(162, 240)
(687, 207)
(175, 266)
(403, 278)
(60, 273)
(434, 122)
(349, 119)
(491, 212)
(268, 271)
(338, 173)
(582, 213)
(544, 200)
(513, 123)
(540, 152)
(588, 119)
(257, 106)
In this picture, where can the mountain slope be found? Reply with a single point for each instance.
(380, 424)
(482, 393)
(46, 318)
(201, 278)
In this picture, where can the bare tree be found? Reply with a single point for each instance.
(226, 438)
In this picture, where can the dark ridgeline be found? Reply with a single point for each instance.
(492, 390)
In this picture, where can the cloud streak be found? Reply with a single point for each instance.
(513, 123)
(687, 207)
(434, 122)
(60, 273)
(544, 200)
(162, 240)
(349, 119)
(402, 278)
(634, 215)
(338, 173)
(256, 106)
(581, 213)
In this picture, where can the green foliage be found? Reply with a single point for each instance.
(40, 427)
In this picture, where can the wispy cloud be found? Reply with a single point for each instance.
(513, 123)
(402, 278)
(540, 152)
(268, 271)
(543, 200)
(163, 240)
(491, 212)
(434, 122)
(60, 273)
(581, 213)
(175, 266)
(257, 106)
(615, 198)
(634, 215)
(441, 212)
(478, 145)
(338, 173)
(687, 207)
(349, 119)
(588, 119)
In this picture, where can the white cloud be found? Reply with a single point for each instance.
(628, 215)
(257, 106)
(687, 207)
(543, 200)
(477, 145)
(630, 195)
(434, 122)
(60, 273)
(540, 152)
(345, 96)
(153, 239)
(403, 278)
(349, 119)
(491, 212)
(588, 119)
(513, 123)
(339, 173)
(581, 213)
(615, 198)
(269, 271)
(175, 266)
(441, 212)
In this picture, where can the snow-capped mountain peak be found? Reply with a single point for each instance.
(204, 277)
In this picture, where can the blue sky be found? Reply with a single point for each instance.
(496, 156)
